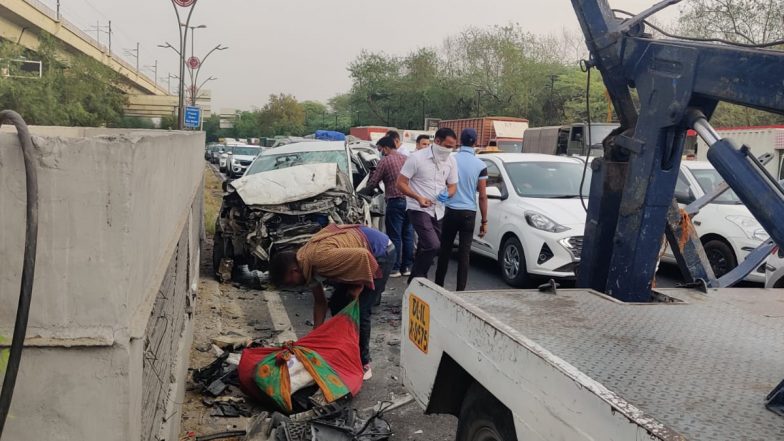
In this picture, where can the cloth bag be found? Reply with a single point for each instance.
(330, 354)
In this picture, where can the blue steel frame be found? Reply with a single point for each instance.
(633, 185)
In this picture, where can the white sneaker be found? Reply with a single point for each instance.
(368, 372)
(406, 273)
(394, 274)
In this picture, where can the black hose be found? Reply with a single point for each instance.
(28, 268)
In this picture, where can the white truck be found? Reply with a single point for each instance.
(762, 139)
(579, 365)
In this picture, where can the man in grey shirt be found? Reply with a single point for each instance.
(429, 179)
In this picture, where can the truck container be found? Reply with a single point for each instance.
(369, 133)
(495, 132)
(567, 139)
(761, 140)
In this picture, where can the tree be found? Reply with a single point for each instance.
(740, 21)
(72, 91)
(282, 115)
(315, 115)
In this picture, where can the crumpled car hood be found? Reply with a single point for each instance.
(277, 187)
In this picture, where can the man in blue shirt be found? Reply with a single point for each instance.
(460, 216)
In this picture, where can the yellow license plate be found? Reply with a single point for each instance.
(418, 322)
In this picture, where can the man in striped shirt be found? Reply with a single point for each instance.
(399, 229)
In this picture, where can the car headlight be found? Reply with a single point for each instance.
(751, 228)
(544, 223)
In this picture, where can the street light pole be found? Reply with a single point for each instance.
(183, 42)
(219, 47)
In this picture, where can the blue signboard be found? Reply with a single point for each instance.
(192, 117)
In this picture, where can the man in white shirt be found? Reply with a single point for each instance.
(429, 179)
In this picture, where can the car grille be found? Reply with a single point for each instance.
(245, 163)
(576, 243)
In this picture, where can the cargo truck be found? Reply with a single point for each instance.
(496, 133)
(567, 140)
(761, 140)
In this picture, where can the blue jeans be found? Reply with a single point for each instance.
(401, 233)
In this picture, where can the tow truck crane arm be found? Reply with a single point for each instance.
(679, 84)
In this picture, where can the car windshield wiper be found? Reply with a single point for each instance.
(564, 196)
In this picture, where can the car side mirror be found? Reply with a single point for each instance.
(684, 197)
(494, 192)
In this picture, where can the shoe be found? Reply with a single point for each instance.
(394, 274)
(368, 372)
(406, 272)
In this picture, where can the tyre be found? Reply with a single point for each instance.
(720, 256)
(484, 418)
(512, 261)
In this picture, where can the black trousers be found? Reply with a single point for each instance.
(341, 298)
(456, 222)
(428, 228)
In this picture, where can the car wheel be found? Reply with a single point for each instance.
(484, 418)
(721, 257)
(512, 260)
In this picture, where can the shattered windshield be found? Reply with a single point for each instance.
(286, 160)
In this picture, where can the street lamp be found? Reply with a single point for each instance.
(193, 35)
(195, 78)
(191, 5)
(196, 91)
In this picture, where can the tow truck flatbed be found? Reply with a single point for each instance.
(697, 366)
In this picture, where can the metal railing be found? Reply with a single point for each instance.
(51, 13)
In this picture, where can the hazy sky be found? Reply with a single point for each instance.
(303, 47)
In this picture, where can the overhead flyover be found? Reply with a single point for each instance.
(23, 21)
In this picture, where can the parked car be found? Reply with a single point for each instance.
(535, 217)
(288, 194)
(240, 158)
(208, 149)
(727, 228)
(216, 152)
(223, 158)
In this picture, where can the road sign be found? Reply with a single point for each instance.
(184, 3)
(194, 62)
(192, 117)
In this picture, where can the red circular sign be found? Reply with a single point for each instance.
(194, 63)
(184, 3)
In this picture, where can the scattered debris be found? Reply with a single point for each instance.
(394, 342)
(221, 435)
(232, 340)
(418, 432)
(331, 422)
(225, 269)
(217, 376)
(309, 323)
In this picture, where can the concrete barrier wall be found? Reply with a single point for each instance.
(119, 220)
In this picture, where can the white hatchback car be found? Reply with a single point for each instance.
(535, 217)
(727, 228)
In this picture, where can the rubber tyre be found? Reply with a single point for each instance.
(720, 256)
(484, 418)
(511, 259)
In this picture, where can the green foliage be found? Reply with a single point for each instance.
(501, 71)
(282, 115)
(77, 91)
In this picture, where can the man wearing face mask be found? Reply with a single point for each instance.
(429, 179)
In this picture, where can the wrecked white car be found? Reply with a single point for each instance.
(287, 195)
